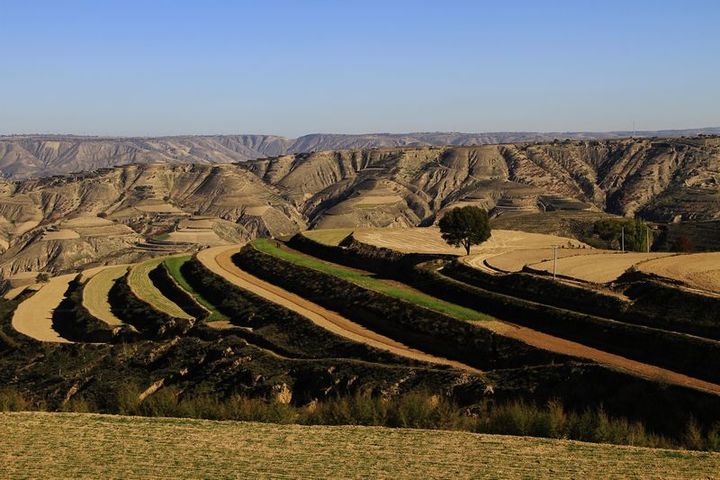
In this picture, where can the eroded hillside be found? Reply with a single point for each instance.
(24, 156)
(123, 213)
(661, 180)
(130, 212)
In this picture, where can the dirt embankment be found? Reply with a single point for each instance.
(219, 261)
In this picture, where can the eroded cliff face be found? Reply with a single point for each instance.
(658, 179)
(128, 212)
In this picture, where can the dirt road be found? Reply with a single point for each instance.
(219, 261)
(578, 350)
(33, 317)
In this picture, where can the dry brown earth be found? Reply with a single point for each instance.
(698, 270)
(429, 240)
(602, 268)
(95, 293)
(33, 317)
(515, 261)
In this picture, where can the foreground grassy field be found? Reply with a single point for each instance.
(41, 445)
(368, 281)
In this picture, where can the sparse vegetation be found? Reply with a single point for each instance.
(365, 280)
(413, 410)
(682, 244)
(104, 446)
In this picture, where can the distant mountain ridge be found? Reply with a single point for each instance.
(25, 156)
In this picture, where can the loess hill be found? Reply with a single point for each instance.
(23, 156)
(126, 213)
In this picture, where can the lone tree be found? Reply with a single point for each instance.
(465, 226)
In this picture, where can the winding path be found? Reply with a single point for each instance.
(219, 260)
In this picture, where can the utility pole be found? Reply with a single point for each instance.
(554, 260)
(623, 239)
(647, 237)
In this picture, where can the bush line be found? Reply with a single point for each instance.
(412, 410)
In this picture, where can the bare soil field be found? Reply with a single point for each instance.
(14, 292)
(33, 317)
(197, 223)
(64, 234)
(23, 278)
(429, 240)
(218, 260)
(63, 445)
(95, 293)
(157, 207)
(86, 221)
(24, 227)
(515, 261)
(328, 236)
(104, 230)
(697, 270)
(205, 237)
(143, 288)
(603, 268)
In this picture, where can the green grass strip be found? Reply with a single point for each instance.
(366, 281)
(173, 265)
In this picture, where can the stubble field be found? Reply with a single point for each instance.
(41, 445)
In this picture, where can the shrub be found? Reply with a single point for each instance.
(14, 401)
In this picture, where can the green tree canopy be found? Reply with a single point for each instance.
(465, 226)
(637, 233)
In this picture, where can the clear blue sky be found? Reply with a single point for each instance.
(294, 67)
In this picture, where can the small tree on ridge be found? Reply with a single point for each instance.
(465, 226)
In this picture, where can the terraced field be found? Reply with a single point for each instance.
(516, 260)
(95, 293)
(173, 266)
(40, 445)
(33, 317)
(218, 260)
(603, 268)
(364, 279)
(328, 236)
(143, 288)
(429, 240)
(526, 335)
(698, 270)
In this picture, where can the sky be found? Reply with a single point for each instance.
(295, 67)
